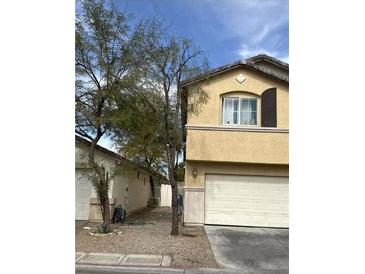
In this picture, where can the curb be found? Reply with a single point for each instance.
(124, 269)
(84, 268)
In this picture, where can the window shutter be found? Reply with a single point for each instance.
(268, 108)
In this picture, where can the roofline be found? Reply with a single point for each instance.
(119, 157)
(270, 59)
(241, 63)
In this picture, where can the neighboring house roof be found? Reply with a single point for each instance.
(118, 157)
(249, 63)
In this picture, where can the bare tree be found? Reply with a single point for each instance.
(168, 61)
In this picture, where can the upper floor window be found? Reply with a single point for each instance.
(239, 111)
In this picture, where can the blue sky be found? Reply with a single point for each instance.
(227, 30)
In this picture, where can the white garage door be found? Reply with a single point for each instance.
(82, 191)
(246, 200)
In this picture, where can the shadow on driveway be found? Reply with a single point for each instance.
(251, 249)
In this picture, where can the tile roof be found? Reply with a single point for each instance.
(249, 63)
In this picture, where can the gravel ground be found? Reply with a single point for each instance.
(148, 232)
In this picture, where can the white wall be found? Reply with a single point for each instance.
(81, 153)
(82, 195)
(194, 205)
(165, 191)
(139, 189)
(119, 191)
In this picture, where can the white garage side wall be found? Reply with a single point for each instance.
(166, 195)
(128, 189)
(139, 190)
(120, 184)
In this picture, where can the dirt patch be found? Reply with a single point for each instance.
(148, 232)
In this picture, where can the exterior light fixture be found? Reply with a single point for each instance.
(195, 173)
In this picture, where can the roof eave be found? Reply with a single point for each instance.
(118, 157)
(229, 67)
(270, 59)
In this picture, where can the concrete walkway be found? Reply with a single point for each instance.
(93, 269)
(82, 258)
(105, 263)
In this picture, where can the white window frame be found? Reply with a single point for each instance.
(258, 110)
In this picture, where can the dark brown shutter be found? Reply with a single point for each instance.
(268, 108)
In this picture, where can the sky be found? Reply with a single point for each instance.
(227, 30)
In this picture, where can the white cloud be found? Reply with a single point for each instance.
(262, 34)
(246, 51)
(266, 30)
(260, 3)
(255, 23)
(285, 59)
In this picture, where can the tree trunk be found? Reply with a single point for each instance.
(175, 217)
(103, 181)
(105, 204)
(106, 214)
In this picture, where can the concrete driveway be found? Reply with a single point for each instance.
(252, 250)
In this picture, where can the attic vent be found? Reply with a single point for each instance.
(240, 78)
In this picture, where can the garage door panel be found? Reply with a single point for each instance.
(234, 196)
(264, 194)
(285, 194)
(259, 206)
(277, 207)
(243, 205)
(221, 203)
(222, 217)
(82, 192)
(246, 200)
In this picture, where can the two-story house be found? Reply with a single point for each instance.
(237, 166)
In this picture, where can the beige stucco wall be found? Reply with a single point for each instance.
(263, 146)
(255, 83)
(203, 168)
(237, 146)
